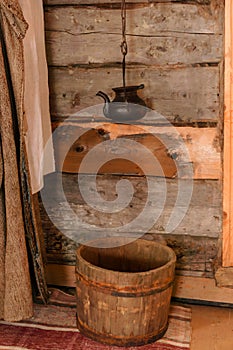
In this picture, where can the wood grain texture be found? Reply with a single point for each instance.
(195, 255)
(176, 50)
(156, 35)
(227, 253)
(209, 324)
(146, 20)
(195, 241)
(124, 292)
(202, 289)
(186, 287)
(224, 277)
(166, 144)
(133, 160)
(66, 49)
(84, 2)
(167, 91)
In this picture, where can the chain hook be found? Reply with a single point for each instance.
(124, 48)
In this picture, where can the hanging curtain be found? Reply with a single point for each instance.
(18, 225)
(36, 104)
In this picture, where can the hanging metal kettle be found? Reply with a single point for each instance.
(126, 105)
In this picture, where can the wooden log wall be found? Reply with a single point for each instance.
(176, 50)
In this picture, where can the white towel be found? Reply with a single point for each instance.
(38, 124)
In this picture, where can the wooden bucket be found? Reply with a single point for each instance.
(124, 293)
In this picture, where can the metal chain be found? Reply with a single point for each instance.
(124, 48)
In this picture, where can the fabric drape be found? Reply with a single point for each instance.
(36, 101)
(18, 227)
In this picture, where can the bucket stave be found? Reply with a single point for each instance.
(124, 292)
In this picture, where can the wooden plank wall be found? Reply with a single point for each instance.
(176, 50)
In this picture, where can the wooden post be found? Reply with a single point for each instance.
(227, 256)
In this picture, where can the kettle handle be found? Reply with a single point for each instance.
(104, 96)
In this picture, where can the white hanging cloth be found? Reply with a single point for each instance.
(36, 97)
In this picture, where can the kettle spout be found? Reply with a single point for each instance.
(104, 96)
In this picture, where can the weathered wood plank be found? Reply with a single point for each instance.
(194, 253)
(224, 277)
(156, 35)
(64, 49)
(209, 221)
(227, 256)
(181, 94)
(133, 161)
(203, 217)
(89, 2)
(201, 289)
(205, 193)
(165, 143)
(148, 20)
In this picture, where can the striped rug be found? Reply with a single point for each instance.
(54, 328)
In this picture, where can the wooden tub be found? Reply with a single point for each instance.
(124, 292)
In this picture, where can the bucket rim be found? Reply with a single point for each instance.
(171, 262)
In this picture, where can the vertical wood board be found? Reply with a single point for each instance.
(227, 255)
